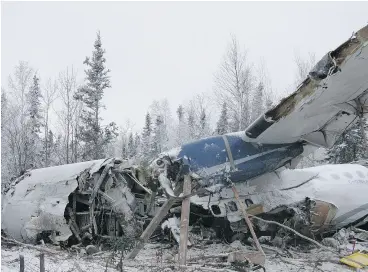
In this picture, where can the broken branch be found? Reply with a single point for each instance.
(293, 231)
(246, 218)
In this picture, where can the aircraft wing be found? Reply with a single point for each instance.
(325, 104)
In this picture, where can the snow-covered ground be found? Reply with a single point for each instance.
(157, 257)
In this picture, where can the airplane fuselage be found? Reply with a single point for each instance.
(211, 157)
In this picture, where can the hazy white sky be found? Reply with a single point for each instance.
(169, 49)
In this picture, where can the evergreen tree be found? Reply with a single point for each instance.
(52, 142)
(124, 150)
(181, 128)
(131, 146)
(191, 126)
(158, 136)
(350, 146)
(146, 138)
(258, 102)
(204, 129)
(91, 133)
(34, 123)
(180, 113)
(137, 143)
(223, 124)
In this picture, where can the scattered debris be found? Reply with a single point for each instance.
(91, 249)
(356, 260)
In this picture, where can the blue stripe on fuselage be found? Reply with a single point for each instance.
(250, 159)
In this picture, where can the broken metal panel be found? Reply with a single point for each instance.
(45, 194)
(340, 77)
(66, 200)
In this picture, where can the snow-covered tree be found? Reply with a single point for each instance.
(137, 144)
(350, 146)
(163, 123)
(48, 97)
(304, 66)
(69, 115)
(223, 122)
(95, 138)
(204, 126)
(258, 101)
(147, 139)
(158, 136)
(181, 127)
(35, 122)
(191, 124)
(234, 84)
(15, 131)
(131, 150)
(5, 161)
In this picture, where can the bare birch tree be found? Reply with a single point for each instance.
(69, 113)
(50, 92)
(17, 136)
(234, 83)
(303, 67)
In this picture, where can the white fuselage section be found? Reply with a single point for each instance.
(344, 185)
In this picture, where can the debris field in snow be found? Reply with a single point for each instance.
(158, 257)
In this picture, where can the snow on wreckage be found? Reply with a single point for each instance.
(328, 101)
(74, 202)
(111, 198)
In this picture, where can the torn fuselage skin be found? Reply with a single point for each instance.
(116, 210)
(76, 203)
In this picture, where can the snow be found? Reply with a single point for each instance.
(173, 224)
(173, 153)
(158, 255)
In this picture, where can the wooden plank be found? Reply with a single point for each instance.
(21, 263)
(164, 209)
(161, 213)
(246, 218)
(42, 262)
(184, 221)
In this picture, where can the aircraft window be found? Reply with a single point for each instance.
(348, 175)
(248, 202)
(216, 209)
(232, 206)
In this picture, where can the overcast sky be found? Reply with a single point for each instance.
(169, 50)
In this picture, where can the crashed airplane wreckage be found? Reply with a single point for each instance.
(110, 197)
(101, 197)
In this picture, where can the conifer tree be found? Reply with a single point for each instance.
(223, 124)
(258, 101)
(34, 124)
(131, 146)
(350, 146)
(91, 132)
(146, 138)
